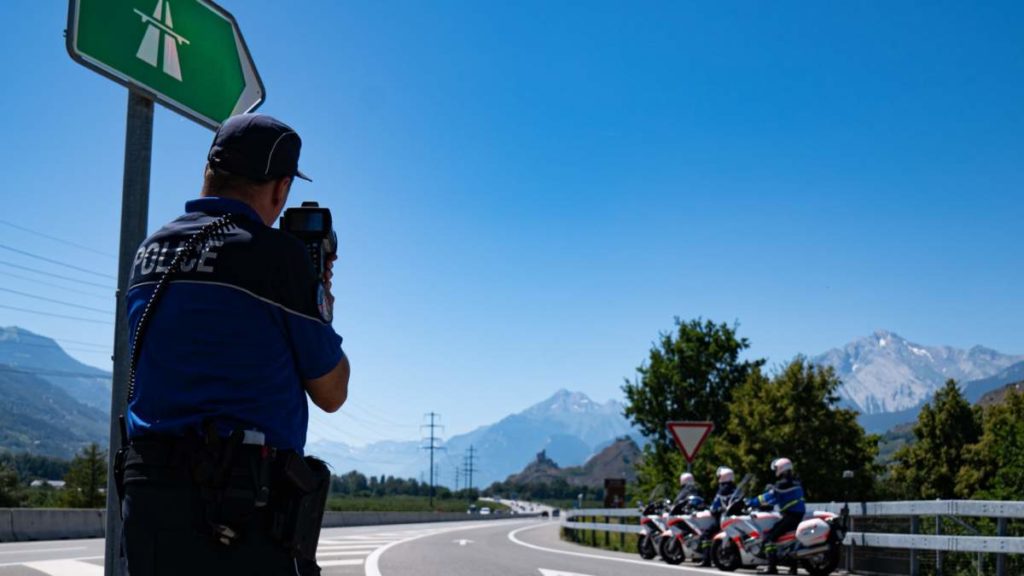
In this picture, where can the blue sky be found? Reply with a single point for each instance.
(526, 193)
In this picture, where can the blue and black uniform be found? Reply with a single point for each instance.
(228, 348)
(718, 504)
(788, 496)
(235, 335)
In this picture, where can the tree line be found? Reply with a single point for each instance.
(697, 372)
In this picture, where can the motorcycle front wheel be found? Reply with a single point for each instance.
(822, 564)
(645, 547)
(726, 557)
(671, 551)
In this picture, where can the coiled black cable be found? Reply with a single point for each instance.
(191, 245)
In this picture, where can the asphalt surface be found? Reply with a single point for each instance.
(493, 548)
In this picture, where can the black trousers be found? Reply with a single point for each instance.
(788, 523)
(165, 532)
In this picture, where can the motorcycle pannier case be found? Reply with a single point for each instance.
(812, 532)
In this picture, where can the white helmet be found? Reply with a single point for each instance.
(724, 474)
(781, 465)
(687, 479)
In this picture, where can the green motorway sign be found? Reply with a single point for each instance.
(189, 55)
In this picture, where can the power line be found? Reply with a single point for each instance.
(45, 339)
(54, 301)
(66, 317)
(49, 285)
(433, 439)
(44, 372)
(77, 349)
(52, 275)
(55, 239)
(57, 262)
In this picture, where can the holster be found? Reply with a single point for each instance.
(299, 502)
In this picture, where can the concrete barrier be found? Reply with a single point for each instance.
(56, 523)
(6, 525)
(25, 524)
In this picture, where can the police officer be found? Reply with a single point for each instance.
(788, 496)
(687, 486)
(726, 488)
(232, 348)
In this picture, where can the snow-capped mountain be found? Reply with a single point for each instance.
(886, 373)
(569, 426)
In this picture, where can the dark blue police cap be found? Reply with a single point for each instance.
(256, 146)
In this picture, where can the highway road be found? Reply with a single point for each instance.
(493, 548)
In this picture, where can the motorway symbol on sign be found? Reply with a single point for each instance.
(192, 59)
(689, 436)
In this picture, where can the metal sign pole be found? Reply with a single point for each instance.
(138, 151)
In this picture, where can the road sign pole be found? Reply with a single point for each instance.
(138, 151)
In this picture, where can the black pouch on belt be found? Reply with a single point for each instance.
(300, 503)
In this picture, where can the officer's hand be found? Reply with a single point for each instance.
(328, 275)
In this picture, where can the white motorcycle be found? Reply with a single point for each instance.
(686, 522)
(815, 544)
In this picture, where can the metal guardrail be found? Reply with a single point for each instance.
(1001, 544)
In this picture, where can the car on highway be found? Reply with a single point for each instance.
(485, 510)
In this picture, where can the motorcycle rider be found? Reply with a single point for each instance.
(687, 486)
(726, 487)
(788, 496)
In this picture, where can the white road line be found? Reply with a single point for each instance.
(330, 563)
(7, 564)
(66, 568)
(34, 550)
(344, 553)
(512, 537)
(373, 562)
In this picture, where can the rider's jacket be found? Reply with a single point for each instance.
(787, 494)
(725, 490)
(684, 494)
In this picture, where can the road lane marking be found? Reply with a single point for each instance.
(512, 537)
(344, 553)
(34, 550)
(373, 562)
(7, 564)
(544, 572)
(330, 563)
(66, 568)
(463, 541)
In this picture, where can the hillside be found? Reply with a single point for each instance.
(50, 404)
(618, 460)
(568, 427)
(998, 396)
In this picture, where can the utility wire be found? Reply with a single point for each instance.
(54, 301)
(75, 348)
(66, 373)
(55, 239)
(65, 288)
(55, 315)
(57, 262)
(52, 275)
(45, 339)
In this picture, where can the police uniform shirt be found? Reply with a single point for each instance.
(235, 334)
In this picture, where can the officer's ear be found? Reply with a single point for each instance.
(279, 195)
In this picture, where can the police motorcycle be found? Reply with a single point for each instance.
(652, 524)
(815, 544)
(685, 523)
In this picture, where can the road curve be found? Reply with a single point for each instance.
(511, 548)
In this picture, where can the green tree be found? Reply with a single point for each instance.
(796, 414)
(993, 469)
(86, 479)
(689, 375)
(928, 468)
(9, 492)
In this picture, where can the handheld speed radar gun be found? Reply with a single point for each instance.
(314, 226)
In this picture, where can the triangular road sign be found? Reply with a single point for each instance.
(689, 436)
